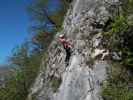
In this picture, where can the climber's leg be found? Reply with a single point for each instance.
(68, 54)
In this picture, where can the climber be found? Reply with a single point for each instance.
(67, 46)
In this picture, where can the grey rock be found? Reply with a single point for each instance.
(80, 80)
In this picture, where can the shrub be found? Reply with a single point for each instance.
(116, 87)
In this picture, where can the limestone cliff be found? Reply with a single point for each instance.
(82, 78)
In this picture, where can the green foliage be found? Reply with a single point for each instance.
(119, 36)
(127, 7)
(119, 24)
(117, 85)
(26, 67)
(55, 83)
(127, 57)
(127, 10)
(113, 92)
(119, 32)
(14, 90)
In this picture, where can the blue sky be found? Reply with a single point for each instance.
(14, 23)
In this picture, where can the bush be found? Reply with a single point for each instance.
(113, 92)
(116, 87)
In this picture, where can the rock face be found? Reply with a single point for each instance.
(82, 78)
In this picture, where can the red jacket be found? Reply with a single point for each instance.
(65, 43)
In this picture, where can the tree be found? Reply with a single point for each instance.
(26, 58)
(26, 66)
(46, 23)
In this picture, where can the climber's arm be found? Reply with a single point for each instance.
(69, 42)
